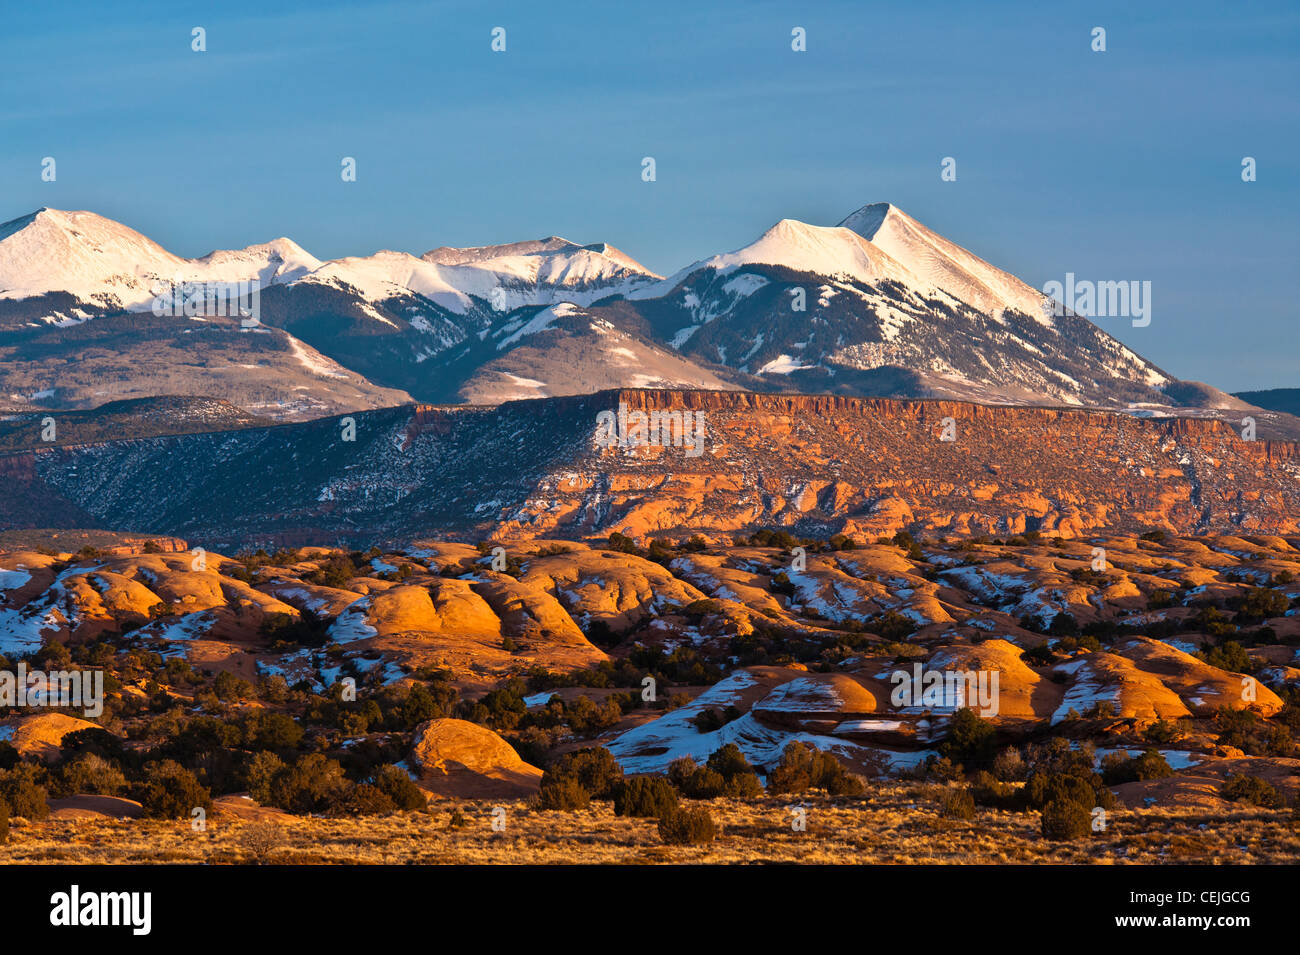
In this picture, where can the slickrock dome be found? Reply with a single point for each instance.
(40, 735)
(465, 760)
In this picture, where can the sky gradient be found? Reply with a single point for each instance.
(1114, 166)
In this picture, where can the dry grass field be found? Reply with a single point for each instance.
(892, 825)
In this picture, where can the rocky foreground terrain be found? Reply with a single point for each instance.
(1150, 685)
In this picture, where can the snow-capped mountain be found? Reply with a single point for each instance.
(881, 304)
(106, 266)
(943, 264)
(804, 248)
(547, 270)
(878, 304)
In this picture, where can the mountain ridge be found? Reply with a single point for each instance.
(879, 304)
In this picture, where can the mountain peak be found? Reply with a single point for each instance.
(451, 255)
(944, 264)
(822, 250)
(552, 246)
(81, 253)
(867, 221)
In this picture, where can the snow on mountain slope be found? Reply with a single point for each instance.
(881, 300)
(816, 249)
(278, 261)
(859, 308)
(543, 271)
(819, 250)
(451, 255)
(81, 253)
(387, 274)
(944, 264)
(111, 266)
(552, 255)
(567, 350)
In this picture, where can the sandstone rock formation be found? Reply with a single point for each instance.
(468, 761)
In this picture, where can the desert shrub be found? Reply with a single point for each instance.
(970, 739)
(1244, 730)
(364, 799)
(595, 769)
(262, 770)
(272, 688)
(22, 792)
(89, 773)
(1041, 655)
(334, 571)
(583, 715)
(53, 656)
(1009, 765)
(680, 770)
(712, 719)
(94, 740)
(904, 540)
(1085, 788)
(307, 629)
(704, 783)
(275, 731)
(4, 823)
(892, 626)
(397, 785)
(780, 583)
(565, 794)
(1231, 656)
(623, 544)
(646, 796)
(1160, 599)
(687, 827)
(957, 803)
(988, 790)
(766, 537)
(1119, 768)
(729, 761)
(312, 784)
(170, 791)
(701, 608)
(743, 786)
(739, 778)
(1057, 755)
(230, 687)
(1162, 732)
(1259, 603)
(262, 839)
(795, 771)
(803, 767)
(1241, 787)
(1066, 820)
(504, 708)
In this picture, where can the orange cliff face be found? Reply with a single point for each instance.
(879, 465)
(672, 462)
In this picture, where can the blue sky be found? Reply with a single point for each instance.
(1117, 165)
